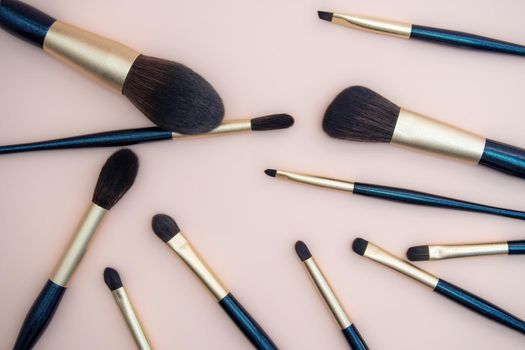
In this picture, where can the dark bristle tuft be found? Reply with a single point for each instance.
(302, 251)
(272, 122)
(360, 114)
(419, 253)
(359, 246)
(112, 278)
(173, 96)
(271, 172)
(116, 177)
(164, 227)
(327, 16)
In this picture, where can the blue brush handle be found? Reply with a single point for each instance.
(104, 139)
(516, 247)
(246, 323)
(39, 316)
(454, 38)
(24, 21)
(479, 305)
(420, 198)
(505, 158)
(354, 338)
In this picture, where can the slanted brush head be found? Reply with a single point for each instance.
(326, 16)
(272, 122)
(419, 253)
(112, 278)
(271, 172)
(164, 227)
(302, 251)
(359, 246)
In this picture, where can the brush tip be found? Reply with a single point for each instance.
(112, 278)
(418, 253)
(325, 16)
(302, 251)
(359, 246)
(164, 227)
(272, 122)
(271, 172)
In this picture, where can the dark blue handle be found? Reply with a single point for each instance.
(39, 316)
(454, 38)
(479, 305)
(104, 139)
(24, 21)
(246, 323)
(516, 247)
(506, 158)
(354, 338)
(420, 198)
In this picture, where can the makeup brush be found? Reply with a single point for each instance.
(115, 179)
(170, 94)
(133, 136)
(114, 283)
(395, 194)
(350, 332)
(448, 251)
(360, 114)
(452, 292)
(414, 31)
(168, 231)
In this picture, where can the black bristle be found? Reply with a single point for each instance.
(302, 251)
(272, 122)
(359, 246)
(164, 227)
(327, 16)
(360, 114)
(112, 278)
(173, 96)
(419, 253)
(116, 178)
(271, 172)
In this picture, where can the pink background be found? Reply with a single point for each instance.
(263, 57)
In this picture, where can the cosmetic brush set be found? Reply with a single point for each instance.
(182, 104)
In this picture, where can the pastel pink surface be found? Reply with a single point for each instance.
(263, 57)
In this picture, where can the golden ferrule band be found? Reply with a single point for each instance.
(383, 257)
(327, 293)
(440, 252)
(78, 245)
(134, 325)
(102, 59)
(325, 182)
(229, 126)
(375, 25)
(185, 251)
(422, 132)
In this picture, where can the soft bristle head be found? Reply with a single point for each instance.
(326, 16)
(360, 114)
(164, 227)
(419, 253)
(112, 278)
(359, 246)
(302, 251)
(272, 122)
(116, 178)
(271, 172)
(173, 96)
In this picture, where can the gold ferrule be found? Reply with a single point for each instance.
(422, 132)
(102, 59)
(78, 245)
(325, 182)
(327, 293)
(385, 258)
(227, 127)
(134, 325)
(440, 252)
(185, 251)
(375, 25)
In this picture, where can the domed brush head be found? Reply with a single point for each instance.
(164, 227)
(112, 278)
(419, 253)
(272, 122)
(302, 251)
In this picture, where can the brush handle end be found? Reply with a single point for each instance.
(354, 339)
(505, 158)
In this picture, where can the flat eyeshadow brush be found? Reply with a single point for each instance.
(134, 136)
(395, 194)
(114, 283)
(452, 292)
(115, 179)
(360, 114)
(449, 251)
(167, 230)
(349, 330)
(413, 31)
(170, 94)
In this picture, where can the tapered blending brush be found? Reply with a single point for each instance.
(115, 179)
(168, 231)
(413, 31)
(350, 332)
(134, 136)
(452, 292)
(170, 94)
(449, 251)
(395, 194)
(114, 283)
(360, 114)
